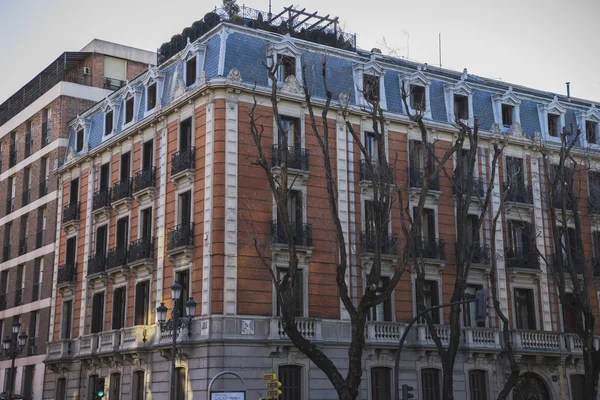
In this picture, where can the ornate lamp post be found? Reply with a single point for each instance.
(176, 324)
(13, 346)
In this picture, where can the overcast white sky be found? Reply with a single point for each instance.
(540, 44)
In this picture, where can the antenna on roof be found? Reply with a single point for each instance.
(568, 91)
(270, 15)
(440, 47)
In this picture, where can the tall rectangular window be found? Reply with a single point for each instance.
(108, 122)
(290, 377)
(577, 387)
(138, 385)
(591, 128)
(148, 154)
(129, 110)
(26, 381)
(44, 175)
(572, 316)
(382, 311)
(122, 232)
(515, 174)
(118, 312)
(9, 379)
(185, 134)
(151, 99)
(298, 292)
(92, 383)
(295, 207)
(79, 140)
(3, 289)
(190, 71)
(461, 106)
(115, 386)
(183, 277)
(97, 324)
(42, 220)
(71, 251)
(286, 67)
(26, 185)
(477, 385)
(104, 182)
(417, 98)
(185, 208)
(38, 271)
(125, 166)
(371, 146)
(67, 316)
(430, 383)
(146, 223)
(180, 384)
(381, 383)
(525, 309)
(101, 240)
(553, 125)
(289, 134)
(19, 285)
(61, 389)
(33, 333)
(142, 301)
(507, 115)
(431, 299)
(74, 191)
(371, 88)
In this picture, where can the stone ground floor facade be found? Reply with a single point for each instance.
(136, 361)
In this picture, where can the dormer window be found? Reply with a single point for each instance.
(461, 106)
(108, 122)
(129, 110)
(190, 71)
(552, 119)
(553, 125)
(151, 97)
(507, 115)
(418, 98)
(286, 67)
(591, 132)
(371, 88)
(79, 142)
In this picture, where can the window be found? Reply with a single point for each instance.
(519, 238)
(114, 391)
(122, 232)
(572, 317)
(180, 384)
(417, 157)
(151, 98)
(525, 309)
(469, 309)
(146, 223)
(190, 71)
(26, 382)
(61, 389)
(507, 115)
(6, 254)
(92, 386)
(26, 185)
(104, 177)
(115, 68)
(430, 382)
(13, 150)
(33, 333)
(381, 385)
(183, 277)
(67, 311)
(185, 134)
(45, 127)
(129, 110)
(289, 134)
(74, 191)
(514, 172)
(108, 122)
(185, 208)
(138, 385)
(70, 255)
(101, 240)
(382, 311)
(97, 324)
(23, 234)
(298, 291)
(295, 208)
(125, 166)
(591, 129)
(431, 299)
(477, 385)
(28, 138)
(19, 285)
(3, 289)
(44, 171)
(286, 67)
(118, 311)
(9, 382)
(461, 106)
(577, 386)
(80, 139)
(371, 146)
(148, 154)
(572, 247)
(38, 272)
(371, 88)
(417, 98)
(290, 377)
(553, 125)
(427, 226)
(142, 299)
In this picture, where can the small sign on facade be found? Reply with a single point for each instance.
(247, 327)
(227, 395)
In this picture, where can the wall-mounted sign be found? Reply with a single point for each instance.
(227, 395)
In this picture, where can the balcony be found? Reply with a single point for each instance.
(416, 179)
(101, 205)
(517, 258)
(180, 242)
(144, 185)
(460, 186)
(43, 188)
(135, 337)
(140, 257)
(116, 262)
(6, 253)
(22, 245)
(40, 239)
(67, 278)
(301, 234)
(384, 172)
(539, 342)
(295, 159)
(96, 270)
(384, 332)
(10, 205)
(71, 217)
(518, 193)
(121, 195)
(389, 243)
(310, 328)
(45, 134)
(431, 249)
(183, 166)
(476, 253)
(60, 350)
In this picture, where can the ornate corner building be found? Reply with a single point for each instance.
(158, 184)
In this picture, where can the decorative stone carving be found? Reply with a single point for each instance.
(515, 130)
(234, 75)
(344, 99)
(495, 130)
(202, 78)
(291, 85)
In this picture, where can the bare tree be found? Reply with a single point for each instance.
(386, 195)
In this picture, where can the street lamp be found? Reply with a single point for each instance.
(176, 324)
(13, 346)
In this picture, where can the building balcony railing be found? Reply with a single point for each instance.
(96, 264)
(183, 160)
(388, 243)
(67, 273)
(101, 199)
(518, 258)
(122, 190)
(518, 193)
(43, 188)
(40, 239)
(22, 245)
(416, 178)
(460, 186)
(144, 179)
(180, 236)
(301, 234)
(45, 140)
(6, 253)
(26, 197)
(141, 249)
(113, 84)
(476, 253)
(429, 248)
(293, 157)
(116, 257)
(385, 172)
(71, 212)
(10, 205)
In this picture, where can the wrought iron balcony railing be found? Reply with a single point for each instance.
(26, 197)
(416, 177)
(141, 249)
(183, 160)
(71, 212)
(40, 239)
(96, 264)
(518, 193)
(43, 189)
(67, 273)
(460, 186)
(116, 257)
(430, 248)
(101, 199)
(144, 179)
(122, 190)
(22, 245)
(6, 253)
(294, 158)
(388, 243)
(180, 236)
(476, 253)
(519, 258)
(301, 234)
(384, 172)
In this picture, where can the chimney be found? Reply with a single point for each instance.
(568, 91)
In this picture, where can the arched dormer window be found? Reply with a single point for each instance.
(287, 56)
(417, 86)
(552, 119)
(589, 123)
(153, 86)
(193, 62)
(506, 109)
(79, 137)
(459, 101)
(369, 84)
(131, 98)
(111, 111)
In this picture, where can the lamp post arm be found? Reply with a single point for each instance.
(405, 334)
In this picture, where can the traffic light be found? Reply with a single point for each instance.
(407, 392)
(99, 393)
